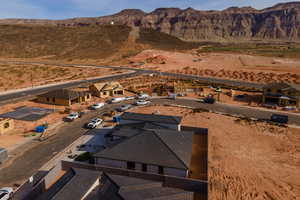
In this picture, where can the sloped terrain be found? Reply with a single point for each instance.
(60, 42)
(280, 22)
(95, 42)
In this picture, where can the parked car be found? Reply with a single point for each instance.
(240, 96)
(94, 123)
(270, 106)
(97, 106)
(181, 94)
(72, 116)
(117, 99)
(3, 155)
(130, 98)
(124, 107)
(288, 108)
(6, 193)
(143, 96)
(172, 96)
(279, 118)
(142, 102)
(209, 100)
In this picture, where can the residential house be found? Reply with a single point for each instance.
(64, 97)
(282, 94)
(109, 89)
(6, 125)
(159, 151)
(171, 122)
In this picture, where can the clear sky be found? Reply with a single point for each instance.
(60, 9)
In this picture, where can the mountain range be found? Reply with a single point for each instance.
(280, 22)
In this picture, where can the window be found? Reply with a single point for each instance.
(144, 167)
(269, 90)
(53, 99)
(160, 170)
(279, 91)
(6, 125)
(48, 99)
(130, 165)
(104, 93)
(120, 92)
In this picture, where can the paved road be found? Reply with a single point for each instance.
(7, 98)
(231, 109)
(206, 80)
(33, 159)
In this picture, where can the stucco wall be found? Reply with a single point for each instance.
(62, 102)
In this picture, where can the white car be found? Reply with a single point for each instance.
(142, 102)
(130, 98)
(94, 123)
(288, 108)
(97, 106)
(117, 100)
(143, 96)
(6, 193)
(124, 107)
(72, 116)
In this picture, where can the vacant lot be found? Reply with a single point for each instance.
(272, 50)
(250, 68)
(247, 160)
(20, 76)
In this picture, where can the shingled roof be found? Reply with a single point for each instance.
(151, 118)
(78, 185)
(160, 147)
(130, 188)
(64, 94)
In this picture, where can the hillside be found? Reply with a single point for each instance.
(26, 41)
(280, 22)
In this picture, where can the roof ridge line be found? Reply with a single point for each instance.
(154, 131)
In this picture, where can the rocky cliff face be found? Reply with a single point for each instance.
(280, 22)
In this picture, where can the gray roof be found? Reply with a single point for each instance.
(282, 85)
(64, 94)
(79, 184)
(136, 189)
(151, 118)
(160, 147)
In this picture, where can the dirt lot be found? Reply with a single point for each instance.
(247, 160)
(222, 65)
(21, 76)
(23, 128)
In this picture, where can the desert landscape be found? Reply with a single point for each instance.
(250, 68)
(250, 157)
(247, 159)
(15, 76)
